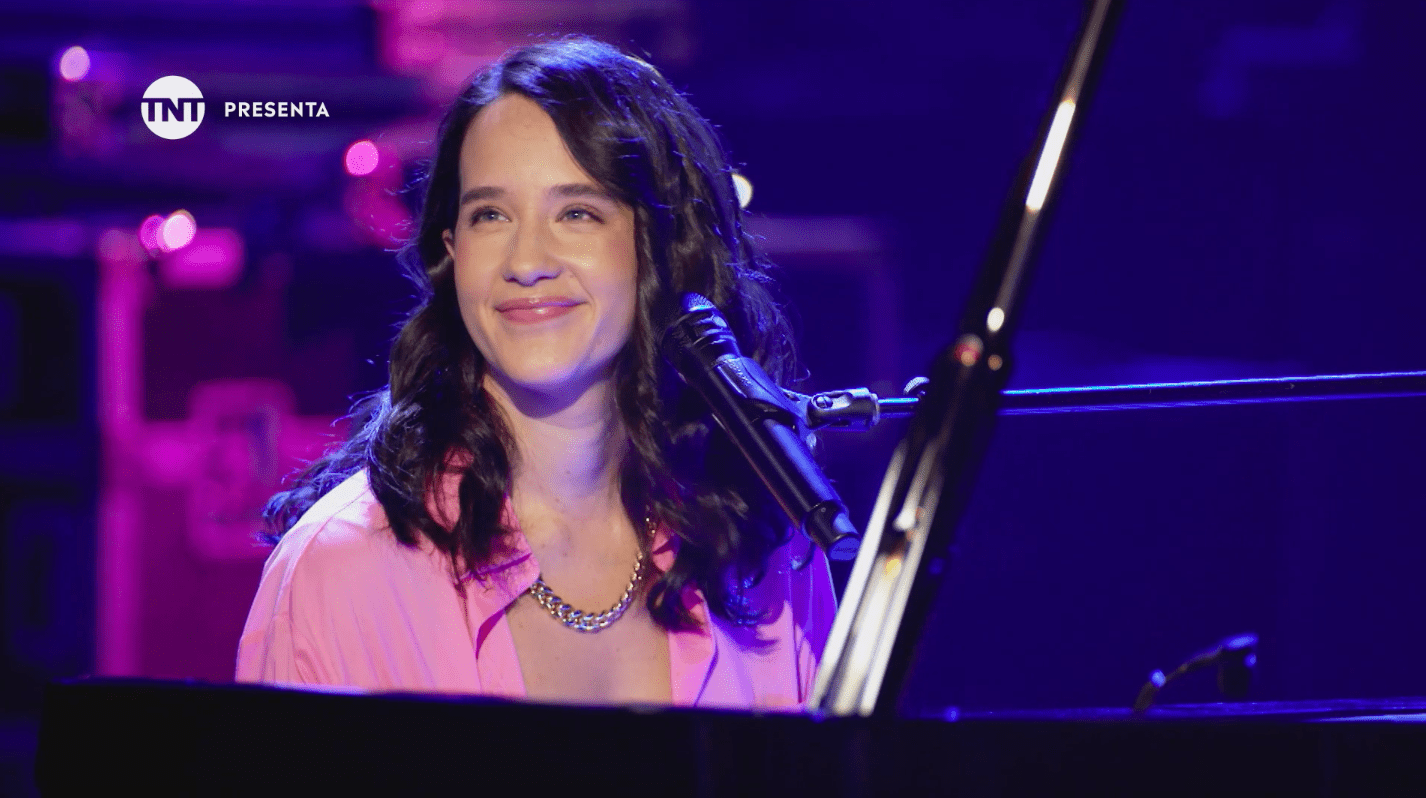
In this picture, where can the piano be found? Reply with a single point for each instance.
(191, 738)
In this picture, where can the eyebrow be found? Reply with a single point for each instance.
(563, 190)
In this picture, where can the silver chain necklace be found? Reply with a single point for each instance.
(586, 621)
(590, 621)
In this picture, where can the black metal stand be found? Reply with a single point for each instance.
(860, 409)
(1214, 392)
(897, 571)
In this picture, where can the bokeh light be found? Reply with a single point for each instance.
(213, 260)
(74, 64)
(177, 231)
(362, 158)
(744, 187)
(148, 233)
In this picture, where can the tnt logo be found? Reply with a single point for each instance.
(172, 107)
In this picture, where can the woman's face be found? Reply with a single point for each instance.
(545, 263)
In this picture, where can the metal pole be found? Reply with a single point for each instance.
(897, 571)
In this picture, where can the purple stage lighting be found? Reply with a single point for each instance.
(149, 233)
(177, 231)
(362, 158)
(74, 64)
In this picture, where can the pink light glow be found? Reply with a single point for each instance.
(177, 231)
(362, 158)
(74, 64)
(148, 233)
(119, 400)
(117, 245)
(212, 261)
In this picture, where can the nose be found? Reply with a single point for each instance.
(531, 259)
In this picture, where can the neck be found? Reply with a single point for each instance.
(565, 472)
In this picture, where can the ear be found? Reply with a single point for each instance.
(448, 237)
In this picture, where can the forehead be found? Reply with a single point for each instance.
(512, 142)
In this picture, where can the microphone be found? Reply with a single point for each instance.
(1234, 657)
(761, 420)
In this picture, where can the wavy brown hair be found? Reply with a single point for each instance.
(643, 142)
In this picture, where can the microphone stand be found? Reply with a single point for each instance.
(902, 556)
(856, 409)
(859, 409)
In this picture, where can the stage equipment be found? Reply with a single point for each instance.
(1234, 658)
(176, 738)
(764, 424)
(860, 409)
(923, 495)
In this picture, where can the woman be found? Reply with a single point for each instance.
(532, 453)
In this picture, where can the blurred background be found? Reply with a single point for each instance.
(184, 322)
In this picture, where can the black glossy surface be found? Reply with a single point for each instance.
(169, 737)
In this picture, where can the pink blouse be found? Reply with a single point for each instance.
(343, 604)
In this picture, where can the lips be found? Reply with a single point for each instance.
(534, 309)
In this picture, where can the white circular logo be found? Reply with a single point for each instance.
(172, 107)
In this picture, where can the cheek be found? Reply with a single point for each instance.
(471, 292)
(623, 288)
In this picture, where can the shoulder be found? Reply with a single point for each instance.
(343, 602)
(343, 541)
(340, 525)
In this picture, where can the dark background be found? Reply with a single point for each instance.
(1244, 201)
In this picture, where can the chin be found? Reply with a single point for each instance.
(553, 380)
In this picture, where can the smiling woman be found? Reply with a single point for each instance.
(535, 506)
(545, 266)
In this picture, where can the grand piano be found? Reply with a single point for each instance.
(198, 739)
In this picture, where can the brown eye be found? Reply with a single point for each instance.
(485, 215)
(581, 214)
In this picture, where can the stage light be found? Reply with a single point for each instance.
(213, 260)
(995, 319)
(744, 187)
(74, 64)
(362, 158)
(149, 233)
(177, 231)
